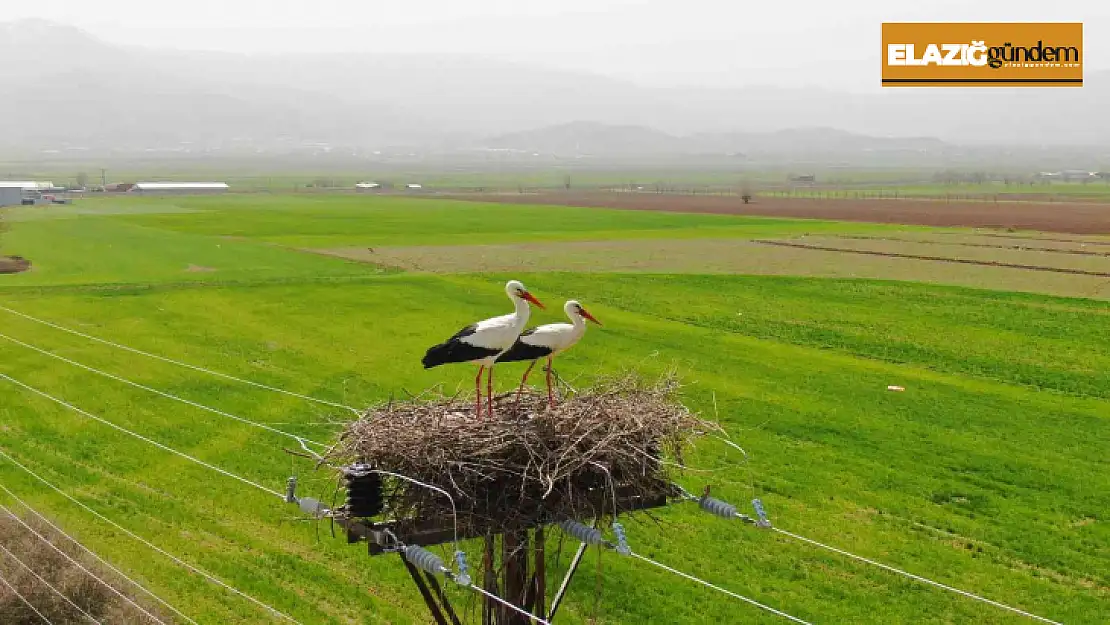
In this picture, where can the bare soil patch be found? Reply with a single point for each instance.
(199, 269)
(1064, 217)
(727, 256)
(14, 264)
(1078, 247)
(943, 259)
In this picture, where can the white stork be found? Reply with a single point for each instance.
(549, 341)
(484, 341)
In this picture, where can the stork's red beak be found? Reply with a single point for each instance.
(587, 315)
(531, 298)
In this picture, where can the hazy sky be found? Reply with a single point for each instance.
(680, 42)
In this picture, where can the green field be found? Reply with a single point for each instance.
(988, 473)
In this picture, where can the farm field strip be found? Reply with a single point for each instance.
(716, 256)
(942, 259)
(1066, 217)
(1053, 247)
(1087, 241)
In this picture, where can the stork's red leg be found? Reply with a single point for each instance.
(524, 380)
(478, 392)
(489, 391)
(550, 393)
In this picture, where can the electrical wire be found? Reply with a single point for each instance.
(454, 511)
(507, 604)
(102, 561)
(916, 577)
(79, 565)
(160, 393)
(24, 600)
(49, 585)
(179, 561)
(179, 363)
(719, 589)
(140, 436)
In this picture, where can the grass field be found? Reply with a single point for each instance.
(988, 473)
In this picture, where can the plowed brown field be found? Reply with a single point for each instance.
(1070, 217)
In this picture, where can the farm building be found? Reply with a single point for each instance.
(368, 186)
(167, 188)
(412, 186)
(12, 193)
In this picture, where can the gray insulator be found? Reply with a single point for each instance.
(622, 540)
(425, 560)
(586, 534)
(463, 576)
(291, 490)
(761, 513)
(311, 506)
(717, 507)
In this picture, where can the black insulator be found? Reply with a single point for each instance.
(364, 491)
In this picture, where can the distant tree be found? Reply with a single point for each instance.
(82, 180)
(566, 182)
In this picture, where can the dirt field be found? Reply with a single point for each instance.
(1032, 272)
(1074, 218)
(14, 264)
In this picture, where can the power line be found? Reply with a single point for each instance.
(79, 565)
(158, 392)
(179, 363)
(24, 599)
(725, 510)
(179, 561)
(917, 577)
(49, 585)
(507, 604)
(93, 554)
(140, 436)
(719, 589)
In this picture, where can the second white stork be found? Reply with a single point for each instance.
(548, 341)
(483, 342)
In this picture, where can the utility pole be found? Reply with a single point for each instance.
(103, 177)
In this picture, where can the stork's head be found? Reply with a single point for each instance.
(515, 290)
(575, 310)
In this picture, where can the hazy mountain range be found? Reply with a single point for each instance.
(64, 88)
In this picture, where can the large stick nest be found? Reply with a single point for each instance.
(594, 455)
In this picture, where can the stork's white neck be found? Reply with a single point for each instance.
(576, 320)
(521, 308)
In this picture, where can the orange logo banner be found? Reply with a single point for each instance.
(1003, 54)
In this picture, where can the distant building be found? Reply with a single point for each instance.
(412, 186)
(14, 192)
(10, 196)
(368, 186)
(804, 178)
(1069, 175)
(178, 188)
(118, 187)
